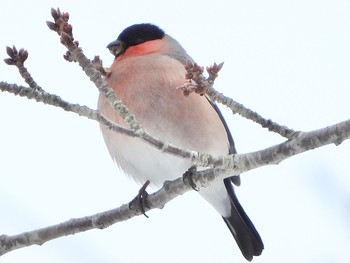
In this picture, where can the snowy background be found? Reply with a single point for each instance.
(287, 60)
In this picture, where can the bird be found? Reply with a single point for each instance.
(148, 68)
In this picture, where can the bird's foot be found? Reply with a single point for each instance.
(140, 201)
(187, 177)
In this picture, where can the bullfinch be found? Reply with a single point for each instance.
(148, 68)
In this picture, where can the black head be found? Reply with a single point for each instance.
(135, 35)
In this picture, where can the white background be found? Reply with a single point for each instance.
(287, 60)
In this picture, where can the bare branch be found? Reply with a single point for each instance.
(304, 141)
(75, 53)
(57, 101)
(84, 111)
(251, 115)
(197, 83)
(238, 163)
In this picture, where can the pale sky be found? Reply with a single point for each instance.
(287, 60)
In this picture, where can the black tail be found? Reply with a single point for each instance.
(242, 229)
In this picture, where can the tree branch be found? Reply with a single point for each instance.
(233, 164)
(75, 53)
(197, 83)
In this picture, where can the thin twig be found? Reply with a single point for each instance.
(196, 82)
(57, 101)
(251, 115)
(75, 53)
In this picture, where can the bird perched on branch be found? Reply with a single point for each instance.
(148, 68)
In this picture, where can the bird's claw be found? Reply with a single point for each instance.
(140, 201)
(187, 177)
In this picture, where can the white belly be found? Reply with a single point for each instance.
(143, 162)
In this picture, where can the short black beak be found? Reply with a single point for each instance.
(116, 47)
